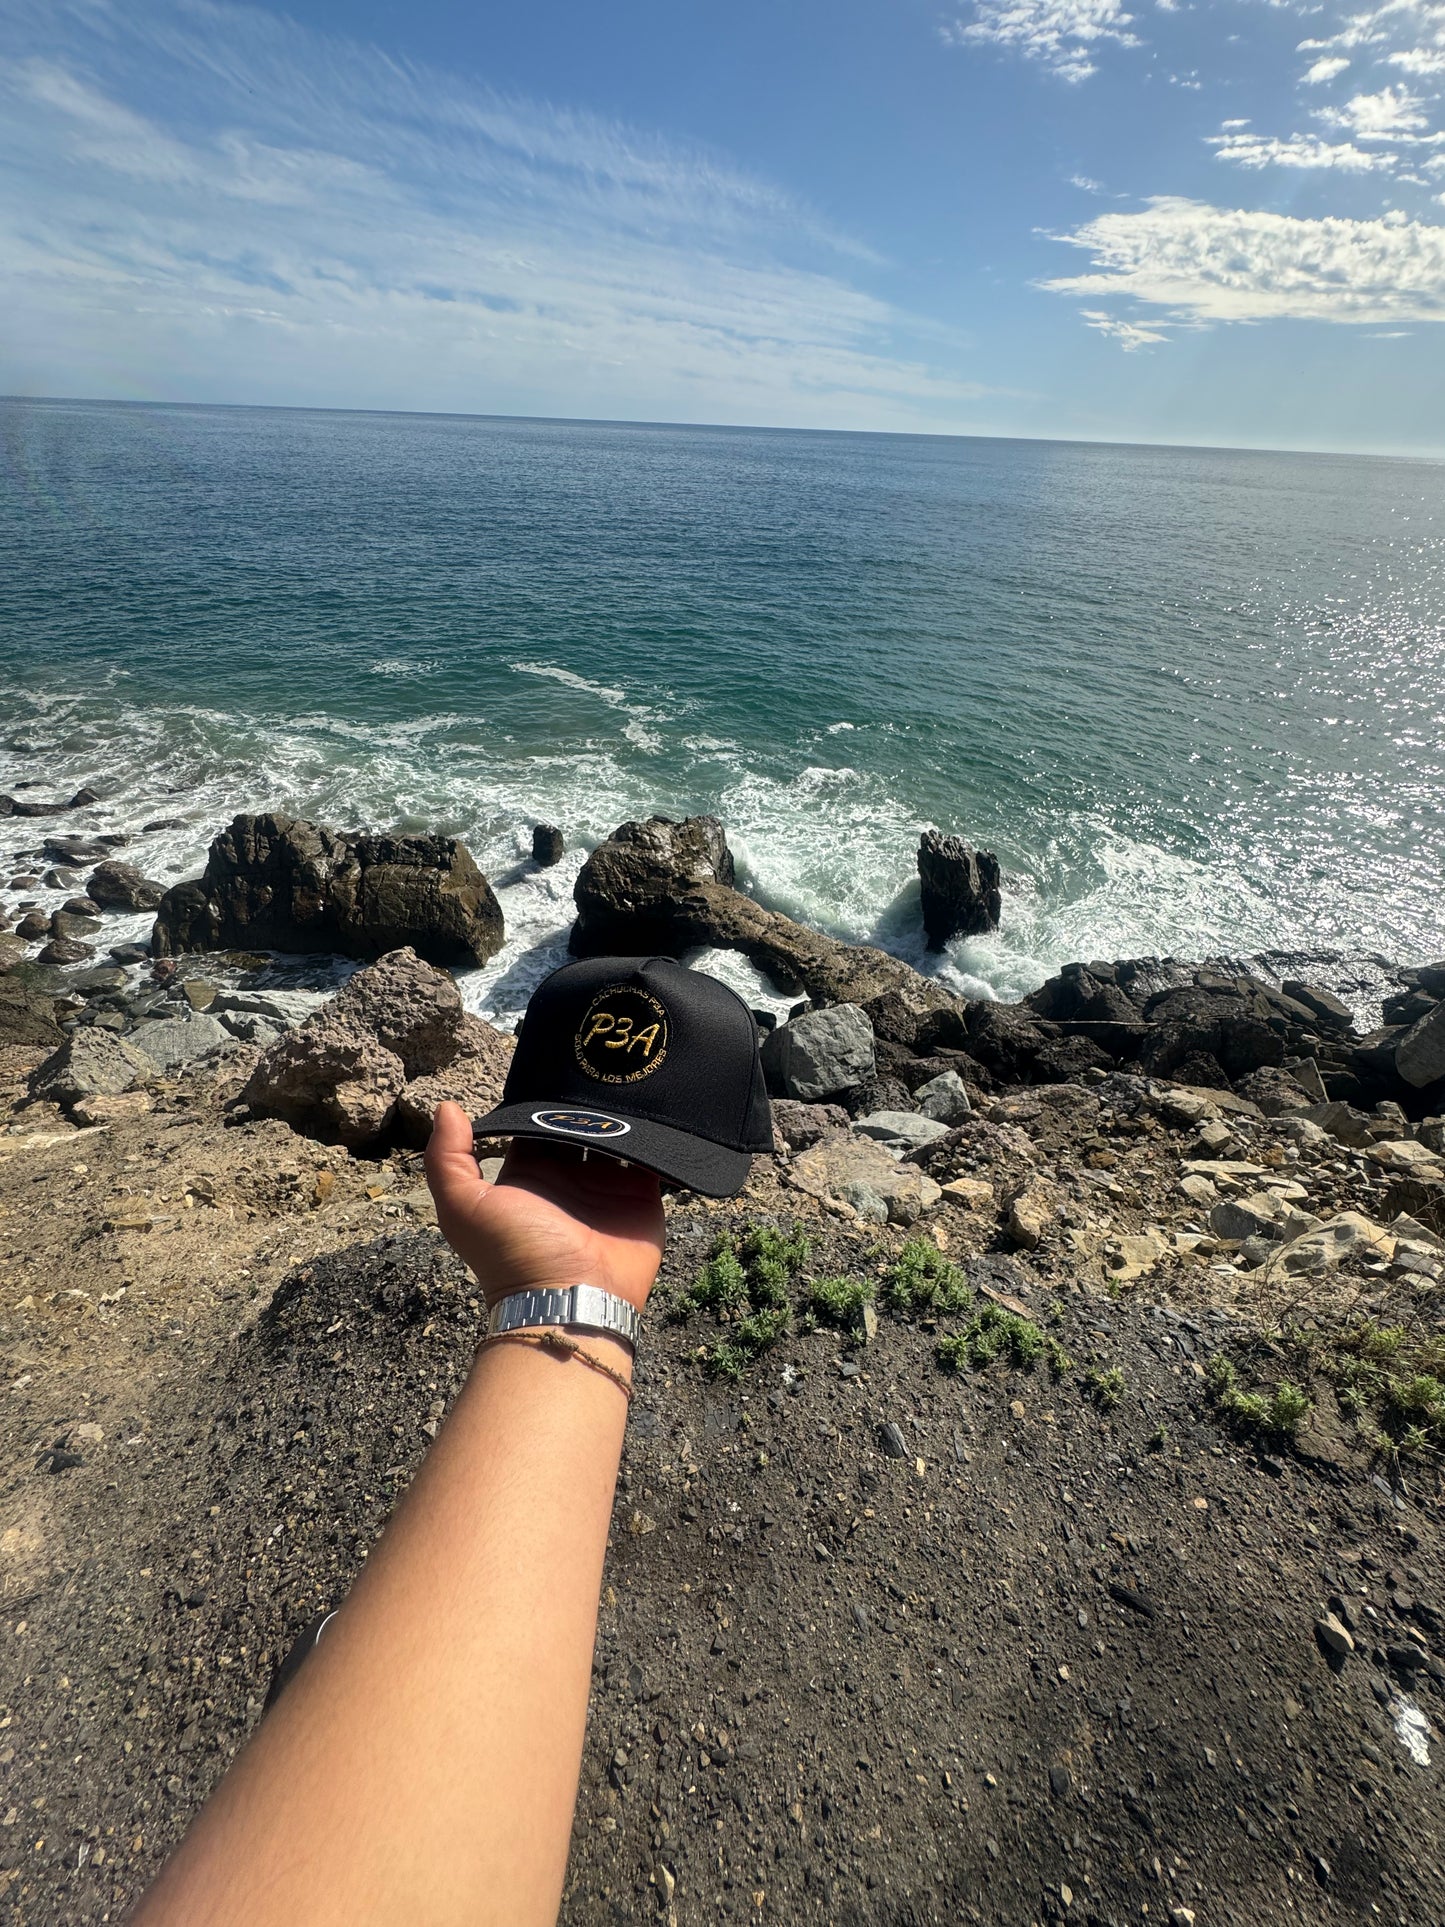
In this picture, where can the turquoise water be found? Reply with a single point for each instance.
(1194, 699)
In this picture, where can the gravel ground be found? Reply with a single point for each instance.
(879, 1643)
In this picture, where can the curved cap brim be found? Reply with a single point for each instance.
(679, 1156)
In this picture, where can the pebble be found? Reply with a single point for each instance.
(892, 1441)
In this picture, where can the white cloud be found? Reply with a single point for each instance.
(1325, 68)
(1086, 184)
(209, 199)
(1420, 60)
(1129, 334)
(1062, 34)
(1300, 150)
(1392, 114)
(1209, 264)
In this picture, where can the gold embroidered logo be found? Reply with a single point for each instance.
(623, 1036)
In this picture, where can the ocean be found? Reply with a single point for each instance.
(1193, 698)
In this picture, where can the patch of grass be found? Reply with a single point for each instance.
(722, 1284)
(840, 1301)
(1390, 1380)
(748, 1284)
(1274, 1415)
(922, 1279)
(993, 1333)
(1104, 1385)
(772, 1262)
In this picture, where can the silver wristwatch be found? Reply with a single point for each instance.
(585, 1307)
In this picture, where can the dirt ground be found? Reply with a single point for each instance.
(1027, 1657)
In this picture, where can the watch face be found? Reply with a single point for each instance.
(623, 1038)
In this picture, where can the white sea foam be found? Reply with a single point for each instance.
(832, 844)
(614, 698)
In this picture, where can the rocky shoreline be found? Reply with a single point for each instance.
(1031, 1507)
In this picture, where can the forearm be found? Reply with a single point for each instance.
(422, 1767)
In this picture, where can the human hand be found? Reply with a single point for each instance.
(550, 1220)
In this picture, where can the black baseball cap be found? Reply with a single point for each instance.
(644, 1060)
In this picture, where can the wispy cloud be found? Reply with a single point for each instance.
(1063, 35)
(1129, 334)
(190, 190)
(1300, 150)
(1327, 67)
(1208, 264)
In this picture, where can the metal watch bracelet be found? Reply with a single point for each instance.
(578, 1308)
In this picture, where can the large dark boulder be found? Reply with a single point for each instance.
(278, 883)
(121, 886)
(665, 887)
(1078, 995)
(629, 892)
(548, 845)
(960, 888)
(1237, 1023)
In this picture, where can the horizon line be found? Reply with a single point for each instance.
(727, 428)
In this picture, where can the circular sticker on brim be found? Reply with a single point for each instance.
(592, 1124)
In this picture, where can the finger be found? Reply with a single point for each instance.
(452, 1175)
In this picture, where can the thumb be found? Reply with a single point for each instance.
(452, 1175)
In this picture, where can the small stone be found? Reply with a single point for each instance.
(1016, 1408)
(1181, 1916)
(62, 1461)
(892, 1441)
(972, 1193)
(1060, 1782)
(1030, 1216)
(1334, 1640)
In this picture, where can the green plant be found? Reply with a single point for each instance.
(994, 1333)
(840, 1301)
(748, 1283)
(1159, 1439)
(1105, 1386)
(722, 1283)
(922, 1279)
(1277, 1415)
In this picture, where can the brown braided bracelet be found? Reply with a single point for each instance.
(560, 1347)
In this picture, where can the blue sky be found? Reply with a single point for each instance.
(1220, 221)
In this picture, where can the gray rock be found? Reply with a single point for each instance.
(1343, 1122)
(174, 1041)
(90, 1063)
(900, 1130)
(66, 928)
(283, 1008)
(820, 1053)
(1327, 1009)
(1257, 1216)
(251, 1028)
(1420, 1053)
(944, 1098)
(892, 1441)
(1306, 1073)
(65, 950)
(33, 926)
(548, 845)
(120, 886)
